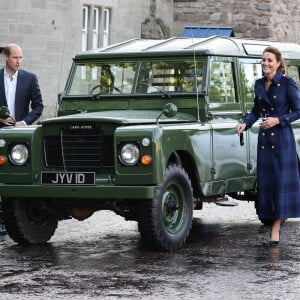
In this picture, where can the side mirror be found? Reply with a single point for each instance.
(169, 110)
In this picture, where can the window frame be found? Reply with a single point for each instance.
(106, 27)
(95, 27)
(84, 28)
(229, 60)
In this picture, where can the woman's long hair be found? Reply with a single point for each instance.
(278, 55)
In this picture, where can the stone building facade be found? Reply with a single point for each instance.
(157, 19)
(261, 19)
(51, 32)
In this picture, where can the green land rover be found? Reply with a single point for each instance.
(145, 128)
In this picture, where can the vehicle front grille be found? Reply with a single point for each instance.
(80, 147)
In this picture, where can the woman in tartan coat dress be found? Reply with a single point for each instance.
(277, 101)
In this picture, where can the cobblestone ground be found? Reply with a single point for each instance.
(226, 257)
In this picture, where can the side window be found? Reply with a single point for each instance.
(250, 72)
(221, 86)
(293, 71)
(170, 76)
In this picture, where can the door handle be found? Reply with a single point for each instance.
(242, 139)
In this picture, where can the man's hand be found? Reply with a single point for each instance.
(8, 121)
(20, 123)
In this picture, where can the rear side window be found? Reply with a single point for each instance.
(250, 72)
(293, 71)
(170, 76)
(221, 84)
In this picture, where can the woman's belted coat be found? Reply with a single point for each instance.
(278, 181)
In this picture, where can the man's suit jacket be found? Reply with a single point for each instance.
(28, 95)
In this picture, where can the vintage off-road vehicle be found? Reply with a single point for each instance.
(145, 128)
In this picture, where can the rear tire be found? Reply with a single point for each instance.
(26, 222)
(266, 222)
(165, 222)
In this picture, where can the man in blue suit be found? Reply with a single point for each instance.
(20, 92)
(19, 89)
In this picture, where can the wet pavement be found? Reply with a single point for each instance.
(227, 256)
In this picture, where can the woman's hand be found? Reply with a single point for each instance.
(269, 122)
(240, 128)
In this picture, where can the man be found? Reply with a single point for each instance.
(19, 89)
(20, 92)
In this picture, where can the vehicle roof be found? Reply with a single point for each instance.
(215, 45)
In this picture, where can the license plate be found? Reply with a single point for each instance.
(68, 178)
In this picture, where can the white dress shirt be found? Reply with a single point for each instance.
(10, 84)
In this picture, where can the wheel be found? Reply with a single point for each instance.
(266, 222)
(26, 222)
(270, 222)
(165, 222)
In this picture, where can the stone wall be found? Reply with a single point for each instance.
(157, 21)
(261, 19)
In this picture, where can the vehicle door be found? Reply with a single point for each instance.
(229, 155)
(249, 71)
(293, 70)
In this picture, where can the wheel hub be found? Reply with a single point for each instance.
(173, 210)
(171, 207)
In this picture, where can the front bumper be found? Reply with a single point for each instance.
(85, 192)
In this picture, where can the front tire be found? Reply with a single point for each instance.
(26, 222)
(165, 222)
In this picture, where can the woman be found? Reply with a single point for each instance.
(277, 102)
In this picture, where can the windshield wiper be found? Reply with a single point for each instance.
(97, 96)
(165, 94)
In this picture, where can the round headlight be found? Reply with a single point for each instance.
(19, 154)
(129, 154)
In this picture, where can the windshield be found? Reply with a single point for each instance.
(137, 77)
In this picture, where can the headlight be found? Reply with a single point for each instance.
(129, 154)
(19, 155)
